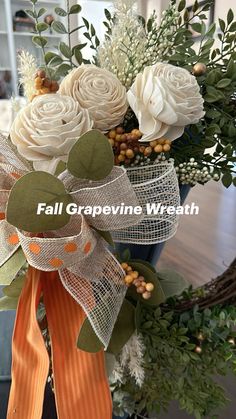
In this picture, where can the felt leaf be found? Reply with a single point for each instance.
(27, 193)
(91, 157)
(88, 340)
(124, 328)
(172, 282)
(14, 289)
(61, 167)
(106, 235)
(144, 262)
(8, 303)
(10, 268)
(158, 295)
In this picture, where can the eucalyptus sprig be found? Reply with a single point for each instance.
(60, 63)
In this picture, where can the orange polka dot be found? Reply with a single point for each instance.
(56, 262)
(34, 248)
(15, 175)
(13, 239)
(87, 247)
(2, 215)
(70, 247)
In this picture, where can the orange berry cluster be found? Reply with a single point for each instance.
(126, 145)
(133, 278)
(161, 146)
(44, 85)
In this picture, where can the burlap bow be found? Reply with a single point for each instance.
(87, 269)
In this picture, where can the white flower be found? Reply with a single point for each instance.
(45, 130)
(100, 92)
(165, 99)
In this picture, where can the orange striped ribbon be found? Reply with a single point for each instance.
(81, 387)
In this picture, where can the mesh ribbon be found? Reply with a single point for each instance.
(88, 271)
(155, 184)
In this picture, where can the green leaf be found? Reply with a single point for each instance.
(91, 157)
(78, 55)
(41, 26)
(223, 83)
(97, 42)
(230, 16)
(41, 11)
(197, 27)
(172, 282)
(88, 340)
(62, 70)
(124, 328)
(86, 23)
(106, 235)
(157, 296)
(126, 255)
(60, 12)
(182, 5)
(60, 168)
(222, 25)
(9, 270)
(14, 289)
(76, 8)
(146, 263)
(56, 61)
(93, 32)
(195, 6)
(79, 46)
(31, 13)
(232, 27)
(52, 57)
(59, 27)
(65, 50)
(39, 41)
(227, 179)
(8, 303)
(30, 190)
(107, 14)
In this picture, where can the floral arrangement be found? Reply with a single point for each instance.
(120, 129)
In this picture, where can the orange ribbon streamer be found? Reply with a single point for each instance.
(81, 387)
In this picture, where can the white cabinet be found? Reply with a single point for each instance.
(11, 42)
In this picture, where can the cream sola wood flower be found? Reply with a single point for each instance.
(45, 130)
(98, 91)
(165, 99)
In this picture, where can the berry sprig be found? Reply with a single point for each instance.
(128, 150)
(44, 85)
(133, 278)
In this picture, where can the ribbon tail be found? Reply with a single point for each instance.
(30, 359)
(81, 386)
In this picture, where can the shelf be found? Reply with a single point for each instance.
(5, 69)
(47, 35)
(3, 32)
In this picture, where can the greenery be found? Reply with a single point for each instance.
(184, 352)
(218, 86)
(174, 41)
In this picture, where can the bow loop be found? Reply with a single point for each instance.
(113, 192)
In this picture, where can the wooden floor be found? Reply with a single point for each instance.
(203, 246)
